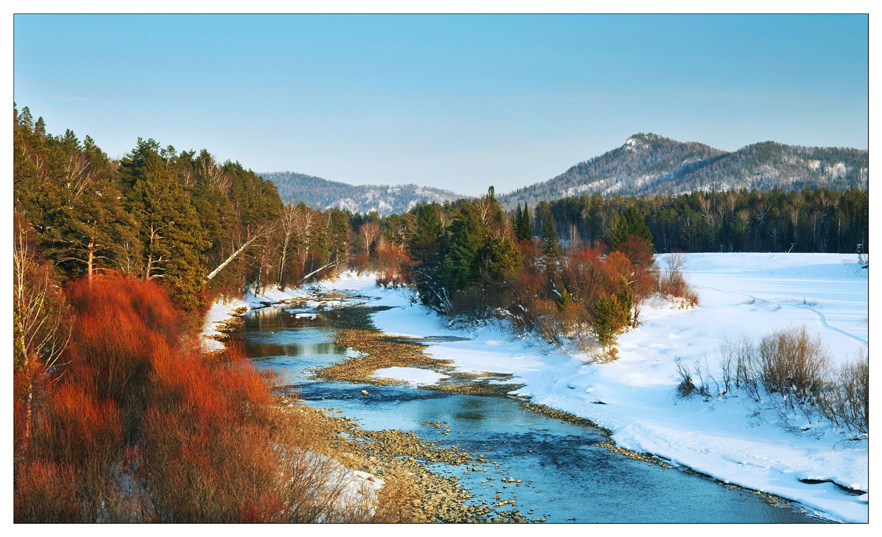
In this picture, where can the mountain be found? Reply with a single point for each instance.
(648, 164)
(323, 194)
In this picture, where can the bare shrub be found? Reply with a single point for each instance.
(741, 354)
(845, 399)
(793, 364)
(672, 283)
(686, 387)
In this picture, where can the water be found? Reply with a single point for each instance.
(587, 483)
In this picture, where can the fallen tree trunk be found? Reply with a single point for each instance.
(316, 270)
(227, 262)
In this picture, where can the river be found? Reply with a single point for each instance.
(566, 476)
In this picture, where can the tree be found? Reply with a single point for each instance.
(91, 228)
(338, 236)
(463, 259)
(550, 241)
(367, 234)
(40, 322)
(428, 225)
(289, 227)
(607, 315)
(171, 236)
(522, 224)
(501, 260)
(632, 223)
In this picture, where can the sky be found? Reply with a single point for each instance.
(460, 102)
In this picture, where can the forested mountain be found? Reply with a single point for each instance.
(322, 194)
(648, 164)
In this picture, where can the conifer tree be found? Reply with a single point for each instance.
(338, 236)
(171, 236)
(463, 259)
(525, 229)
(550, 241)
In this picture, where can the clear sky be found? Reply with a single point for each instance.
(455, 101)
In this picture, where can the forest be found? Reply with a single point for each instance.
(118, 417)
(820, 220)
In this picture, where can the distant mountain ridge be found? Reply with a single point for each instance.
(649, 164)
(646, 164)
(323, 194)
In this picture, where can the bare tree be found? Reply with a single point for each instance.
(302, 223)
(213, 174)
(367, 234)
(289, 227)
(77, 177)
(41, 333)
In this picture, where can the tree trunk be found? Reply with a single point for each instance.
(227, 262)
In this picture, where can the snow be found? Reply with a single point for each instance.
(411, 375)
(732, 439)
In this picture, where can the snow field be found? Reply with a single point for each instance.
(732, 439)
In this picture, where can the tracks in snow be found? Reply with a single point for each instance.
(821, 317)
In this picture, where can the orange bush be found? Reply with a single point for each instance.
(46, 492)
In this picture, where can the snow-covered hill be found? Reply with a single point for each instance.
(322, 194)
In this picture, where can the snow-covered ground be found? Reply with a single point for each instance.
(732, 439)
(411, 375)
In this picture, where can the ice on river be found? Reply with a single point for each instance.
(732, 439)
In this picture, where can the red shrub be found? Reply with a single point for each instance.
(46, 492)
(76, 428)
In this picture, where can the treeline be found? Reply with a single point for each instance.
(160, 214)
(822, 221)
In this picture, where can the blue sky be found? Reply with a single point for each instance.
(458, 102)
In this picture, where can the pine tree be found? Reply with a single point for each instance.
(607, 315)
(625, 297)
(525, 230)
(500, 259)
(632, 223)
(516, 220)
(428, 224)
(338, 236)
(91, 230)
(550, 241)
(171, 236)
(25, 119)
(463, 260)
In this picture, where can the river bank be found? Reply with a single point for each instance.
(634, 399)
(731, 439)
(391, 465)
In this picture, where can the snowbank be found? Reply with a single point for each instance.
(411, 375)
(733, 439)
